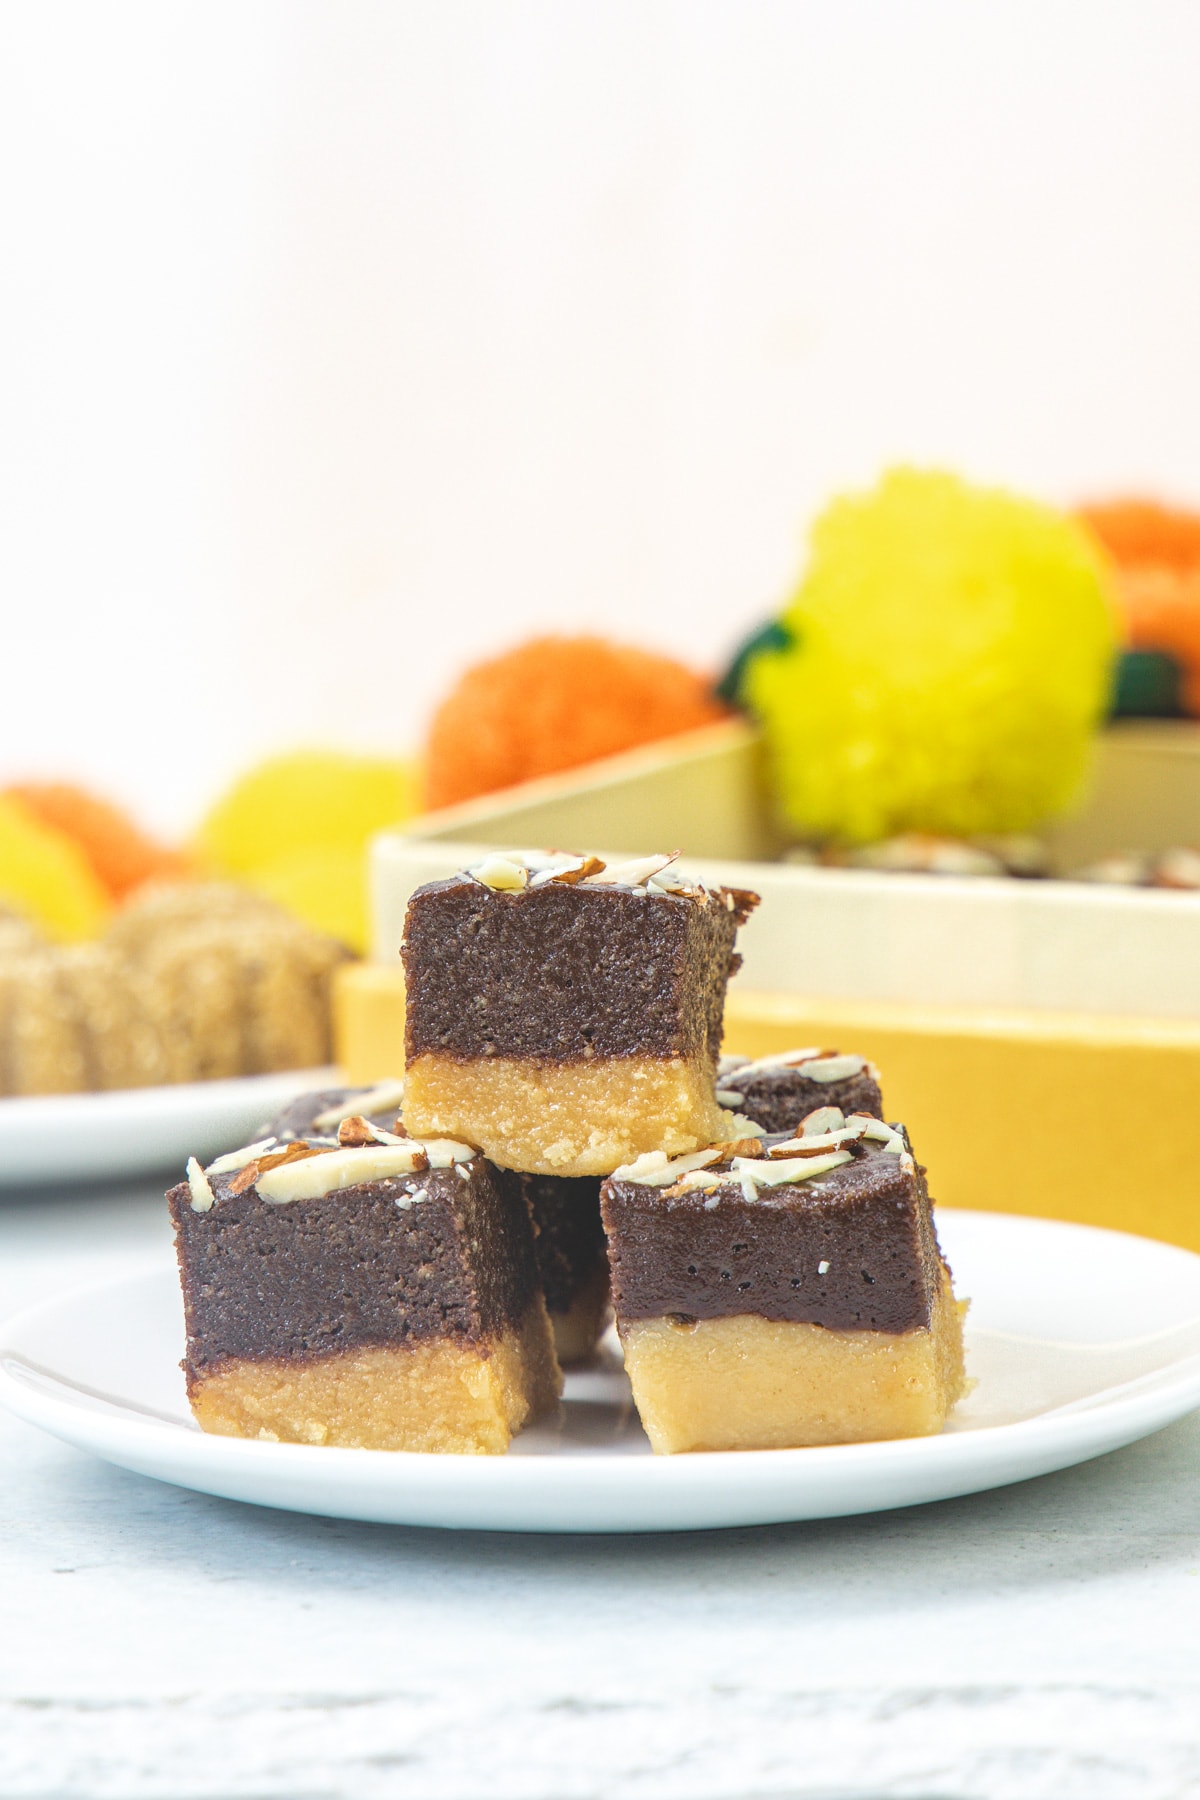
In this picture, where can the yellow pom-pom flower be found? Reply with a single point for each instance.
(951, 653)
(296, 827)
(46, 876)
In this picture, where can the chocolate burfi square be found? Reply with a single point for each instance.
(381, 1295)
(567, 1017)
(786, 1293)
(777, 1092)
(569, 1241)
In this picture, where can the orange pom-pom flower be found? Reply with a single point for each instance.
(555, 703)
(1156, 551)
(121, 855)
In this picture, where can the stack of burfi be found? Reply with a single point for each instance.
(566, 1016)
(415, 1281)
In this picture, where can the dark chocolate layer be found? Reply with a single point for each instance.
(569, 1237)
(778, 1099)
(560, 972)
(352, 1269)
(869, 1221)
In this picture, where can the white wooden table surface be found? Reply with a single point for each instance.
(1037, 1643)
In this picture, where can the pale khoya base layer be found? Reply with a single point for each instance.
(747, 1383)
(578, 1330)
(444, 1394)
(565, 1118)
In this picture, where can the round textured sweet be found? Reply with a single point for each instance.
(1157, 555)
(236, 985)
(191, 982)
(121, 855)
(555, 703)
(46, 877)
(75, 1018)
(178, 907)
(951, 653)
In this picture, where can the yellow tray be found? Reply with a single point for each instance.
(1040, 1039)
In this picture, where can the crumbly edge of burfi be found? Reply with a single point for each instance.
(566, 1118)
(747, 1383)
(442, 1395)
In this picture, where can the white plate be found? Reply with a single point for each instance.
(1080, 1340)
(139, 1131)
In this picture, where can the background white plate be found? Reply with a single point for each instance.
(1080, 1340)
(140, 1131)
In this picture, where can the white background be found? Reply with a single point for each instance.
(341, 342)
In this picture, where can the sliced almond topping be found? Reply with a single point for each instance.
(800, 1168)
(356, 1131)
(443, 1153)
(877, 1131)
(781, 1059)
(743, 1146)
(645, 1169)
(503, 873)
(634, 873)
(201, 1188)
(696, 1180)
(872, 1127)
(655, 1169)
(237, 1159)
(825, 1118)
(585, 870)
(319, 1175)
(727, 1097)
(377, 1099)
(744, 1127)
(814, 1146)
(834, 1068)
(249, 1175)
(557, 865)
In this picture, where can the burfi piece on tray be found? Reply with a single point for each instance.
(382, 1295)
(567, 1017)
(784, 1294)
(572, 1258)
(778, 1091)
